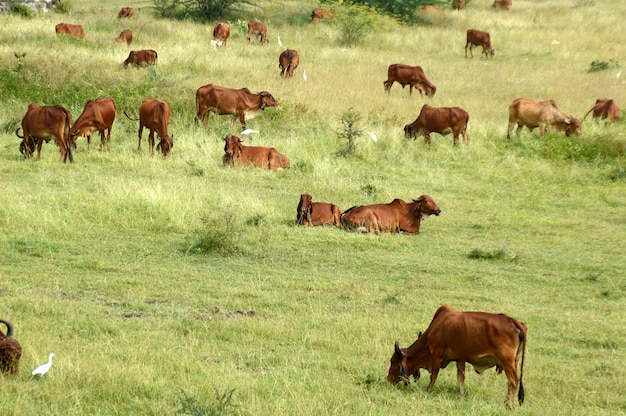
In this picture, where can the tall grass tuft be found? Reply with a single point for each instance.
(223, 405)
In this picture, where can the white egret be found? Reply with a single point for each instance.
(618, 73)
(249, 131)
(304, 77)
(373, 136)
(44, 368)
(279, 42)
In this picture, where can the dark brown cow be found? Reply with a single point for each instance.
(68, 29)
(318, 14)
(43, 123)
(605, 108)
(126, 12)
(532, 113)
(257, 28)
(413, 76)
(10, 351)
(288, 61)
(97, 116)
(262, 157)
(482, 339)
(125, 36)
(442, 120)
(502, 4)
(478, 38)
(155, 115)
(458, 4)
(393, 217)
(317, 213)
(221, 32)
(141, 58)
(240, 103)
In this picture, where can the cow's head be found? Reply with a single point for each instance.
(426, 207)
(165, 145)
(574, 127)
(430, 91)
(409, 131)
(232, 146)
(267, 100)
(304, 209)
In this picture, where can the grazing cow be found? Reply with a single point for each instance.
(317, 213)
(43, 123)
(442, 120)
(141, 58)
(478, 38)
(318, 14)
(155, 115)
(257, 28)
(126, 12)
(262, 157)
(412, 75)
(240, 103)
(532, 113)
(10, 351)
(482, 339)
(429, 8)
(288, 61)
(97, 116)
(605, 108)
(68, 29)
(221, 32)
(125, 36)
(396, 216)
(502, 4)
(458, 4)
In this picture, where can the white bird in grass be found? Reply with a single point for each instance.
(44, 368)
(618, 74)
(304, 77)
(279, 42)
(249, 131)
(373, 136)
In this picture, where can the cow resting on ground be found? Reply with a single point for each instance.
(478, 38)
(317, 213)
(605, 108)
(501, 4)
(442, 120)
(10, 351)
(318, 14)
(125, 36)
(43, 123)
(262, 157)
(155, 115)
(413, 76)
(396, 216)
(288, 61)
(141, 58)
(76, 31)
(532, 113)
(257, 28)
(221, 32)
(482, 339)
(99, 116)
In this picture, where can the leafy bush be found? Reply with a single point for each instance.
(63, 7)
(597, 65)
(203, 10)
(350, 120)
(218, 236)
(21, 9)
(400, 9)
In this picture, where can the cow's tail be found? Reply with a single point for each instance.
(522, 339)
(588, 113)
(129, 117)
(9, 329)
(17, 134)
(66, 135)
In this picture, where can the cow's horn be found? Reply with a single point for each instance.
(396, 347)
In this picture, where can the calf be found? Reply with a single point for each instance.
(75, 31)
(288, 61)
(413, 76)
(263, 157)
(125, 36)
(141, 58)
(221, 32)
(478, 38)
(257, 28)
(99, 116)
(317, 213)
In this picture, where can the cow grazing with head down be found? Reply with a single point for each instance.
(257, 28)
(10, 351)
(442, 120)
(317, 213)
(141, 58)
(126, 12)
(397, 216)
(413, 76)
(241, 103)
(482, 339)
(605, 108)
(288, 61)
(43, 123)
(125, 36)
(221, 32)
(68, 29)
(542, 114)
(263, 157)
(478, 38)
(318, 14)
(98, 115)
(502, 4)
(155, 115)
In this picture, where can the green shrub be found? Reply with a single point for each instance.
(21, 9)
(218, 236)
(351, 131)
(63, 7)
(597, 65)
(223, 405)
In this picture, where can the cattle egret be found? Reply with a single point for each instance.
(279, 42)
(249, 131)
(304, 77)
(373, 136)
(44, 368)
(618, 74)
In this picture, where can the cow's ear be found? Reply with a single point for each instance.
(420, 334)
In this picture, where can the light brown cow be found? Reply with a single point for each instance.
(141, 58)
(155, 115)
(318, 14)
(605, 108)
(68, 29)
(442, 120)
(99, 116)
(43, 123)
(502, 4)
(532, 113)
(396, 216)
(317, 213)
(429, 8)
(126, 12)
(288, 61)
(478, 38)
(240, 103)
(458, 4)
(482, 339)
(413, 76)
(221, 32)
(125, 36)
(257, 28)
(262, 157)
(10, 351)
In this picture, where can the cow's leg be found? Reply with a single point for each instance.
(460, 376)
(466, 45)
(542, 130)
(511, 376)
(436, 365)
(471, 46)
(427, 137)
(39, 143)
(518, 132)
(140, 133)
(89, 143)
(242, 118)
(455, 138)
(151, 142)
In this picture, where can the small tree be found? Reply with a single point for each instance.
(351, 131)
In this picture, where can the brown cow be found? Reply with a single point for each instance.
(221, 32)
(125, 36)
(482, 339)
(126, 12)
(43, 123)
(76, 31)
(478, 38)
(97, 116)
(288, 61)
(532, 113)
(458, 4)
(257, 28)
(155, 115)
(393, 217)
(442, 120)
(502, 4)
(605, 108)
(240, 103)
(412, 75)
(262, 157)
(429, 8)
(141, 58)
(10, 351)
(317, 213)
(318, 14)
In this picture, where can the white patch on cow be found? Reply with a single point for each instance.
(424, 216)
(250, 114)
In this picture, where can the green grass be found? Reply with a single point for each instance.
(162, 285)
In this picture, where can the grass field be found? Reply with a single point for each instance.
(161, 285)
